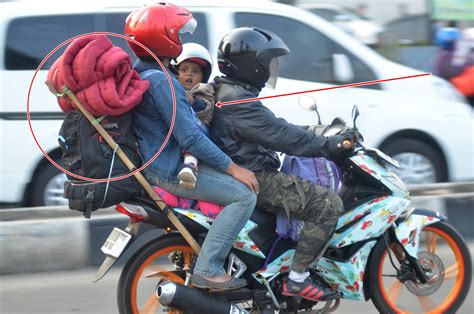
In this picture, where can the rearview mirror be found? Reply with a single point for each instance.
(307, 102)
(342, 68)
(355, 114)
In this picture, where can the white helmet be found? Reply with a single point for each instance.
(198, 54)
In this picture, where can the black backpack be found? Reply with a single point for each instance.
(86, 153)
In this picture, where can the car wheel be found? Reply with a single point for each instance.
(48, 187)
(419, 162)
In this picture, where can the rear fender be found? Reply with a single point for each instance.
(136, 245)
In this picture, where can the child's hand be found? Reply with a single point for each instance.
(190, 98)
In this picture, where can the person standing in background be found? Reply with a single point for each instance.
(446, 39)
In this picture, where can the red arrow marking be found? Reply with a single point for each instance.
(233, 102)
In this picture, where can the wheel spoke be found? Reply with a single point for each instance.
(168, 275)
(160, 265)
(187, 260)
(431, 239)
(426, 303)
(154, 270)
(151, 306)
(451, 272)
(394, 290)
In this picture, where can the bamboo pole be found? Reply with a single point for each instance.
(140, 178)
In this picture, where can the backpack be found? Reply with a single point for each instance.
(86, 153)
(320, 171)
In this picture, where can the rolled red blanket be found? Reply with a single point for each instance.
(100, 75)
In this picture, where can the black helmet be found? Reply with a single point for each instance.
(246, 54)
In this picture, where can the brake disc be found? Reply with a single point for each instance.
(433, 267)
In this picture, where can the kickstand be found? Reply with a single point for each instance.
(335, 306)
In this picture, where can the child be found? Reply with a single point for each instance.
(193, 67)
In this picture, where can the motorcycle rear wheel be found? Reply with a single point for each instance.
(145, 269)
(445, 253)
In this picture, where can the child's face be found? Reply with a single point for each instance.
(189, 74)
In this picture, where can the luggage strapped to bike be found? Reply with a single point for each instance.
(66, 92)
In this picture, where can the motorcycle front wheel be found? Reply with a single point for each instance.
(446, 261)
(164, 259)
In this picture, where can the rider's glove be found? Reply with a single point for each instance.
(342, 142)
(352, 135)
(335, 145)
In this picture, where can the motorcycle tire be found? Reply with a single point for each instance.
(409, 297)
(141, 274)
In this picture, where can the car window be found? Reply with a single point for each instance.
(311, 53)
(30, 39)
(328, 15)
(115, 22)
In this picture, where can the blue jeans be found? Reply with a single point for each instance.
(239, 201)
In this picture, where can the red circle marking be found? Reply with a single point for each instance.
(167, 136)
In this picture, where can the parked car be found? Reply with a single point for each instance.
(366, 31)
(423, 122)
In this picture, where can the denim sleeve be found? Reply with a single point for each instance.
(185, 131)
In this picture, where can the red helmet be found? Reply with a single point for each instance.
(158, 27)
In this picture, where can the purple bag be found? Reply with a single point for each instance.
(320, 171)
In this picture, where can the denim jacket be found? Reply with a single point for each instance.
(152, 120)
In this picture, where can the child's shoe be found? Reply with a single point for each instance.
(188, 176)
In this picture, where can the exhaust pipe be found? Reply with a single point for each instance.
(194, 301)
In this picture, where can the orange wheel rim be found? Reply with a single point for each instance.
(456, 271)
(152, 303)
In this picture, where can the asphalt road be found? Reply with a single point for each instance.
(74, 292)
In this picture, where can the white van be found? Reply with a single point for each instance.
(423, 122)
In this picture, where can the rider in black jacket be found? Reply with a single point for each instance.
(251, 134)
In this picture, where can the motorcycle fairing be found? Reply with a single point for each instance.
(360, 211)
(197, 216)
(278, 266)
(347, 277)
(408, 232)
(242, 242)
(372, 167)
(375, 217)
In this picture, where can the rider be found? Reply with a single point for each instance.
(443, 66)
(250, 134)
(158, 27)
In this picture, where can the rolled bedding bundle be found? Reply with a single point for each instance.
(100, 75)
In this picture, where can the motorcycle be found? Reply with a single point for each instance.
(401, 258)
